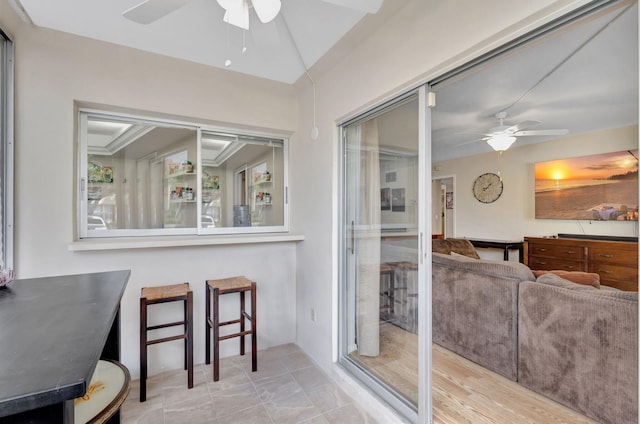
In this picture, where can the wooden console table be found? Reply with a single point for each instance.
(504, 245)
(615, 261)
(53, 332)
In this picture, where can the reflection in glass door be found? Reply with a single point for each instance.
(381, 251)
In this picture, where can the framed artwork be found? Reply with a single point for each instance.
(390, 177)
(449, 200)
(210, 181)
(600, 187)
(385, 199)
(99, 173)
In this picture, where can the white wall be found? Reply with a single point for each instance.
(53, 70)
(415, 44)
(512, 216)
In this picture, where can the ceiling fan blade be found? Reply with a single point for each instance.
(151, 10)
(368, 6)
(266, 10)
(522, 125)
(238, 15)
(466, 143)
(541, 132)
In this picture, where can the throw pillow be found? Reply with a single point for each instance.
(461, 257)
(463, 247)
(440, 246)
(579, 277)
(557, 281)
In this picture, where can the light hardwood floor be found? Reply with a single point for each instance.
(463, 392)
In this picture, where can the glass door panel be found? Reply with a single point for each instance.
(381, 247)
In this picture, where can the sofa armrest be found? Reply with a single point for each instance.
(580, 348)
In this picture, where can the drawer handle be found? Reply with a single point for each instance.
(569, 266)
(542, 249)
(605, 271)
(604, 255)
(570, 252)
(541, 263)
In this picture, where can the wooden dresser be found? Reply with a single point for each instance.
(615, 261)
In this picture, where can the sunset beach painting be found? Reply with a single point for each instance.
(600, 187)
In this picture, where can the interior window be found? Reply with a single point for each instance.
(145, 177)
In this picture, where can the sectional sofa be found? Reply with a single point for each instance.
(574, 343)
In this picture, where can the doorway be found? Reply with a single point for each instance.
(443, 207)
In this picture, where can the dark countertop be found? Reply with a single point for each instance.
(52, 332)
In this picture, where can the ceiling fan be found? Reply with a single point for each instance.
(236, 11)
(500, 138)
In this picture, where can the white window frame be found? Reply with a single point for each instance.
(82, 203)
(7, 152)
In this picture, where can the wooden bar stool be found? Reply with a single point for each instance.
(163, 294)
(226, 286)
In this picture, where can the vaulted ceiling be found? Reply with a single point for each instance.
(280, 50)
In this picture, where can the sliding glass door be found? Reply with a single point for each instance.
(382, 267)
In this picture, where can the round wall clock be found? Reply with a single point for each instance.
(487, 188)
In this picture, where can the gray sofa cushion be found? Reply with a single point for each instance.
(578, 346)
(475, 310)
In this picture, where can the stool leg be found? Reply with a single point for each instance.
(216, 335)
(186, 332)
(254, 340)
(143, 349)
(189, 352)
(242, 318)
(207, 323)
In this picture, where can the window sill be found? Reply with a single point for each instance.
(178, 241)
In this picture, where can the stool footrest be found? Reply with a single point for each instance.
(167, 339)
(230, 336)
(173, 324)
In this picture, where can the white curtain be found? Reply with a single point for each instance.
(368, 291)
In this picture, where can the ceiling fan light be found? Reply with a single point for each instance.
(500, 143)
(266, 10)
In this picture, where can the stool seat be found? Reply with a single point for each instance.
(230, 285)
(165, 292)
(162, 294)
(386, 269)
(213, 290)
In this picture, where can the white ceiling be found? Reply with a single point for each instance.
(196, 32)
(552, 80)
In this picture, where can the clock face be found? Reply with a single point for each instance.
(487, 188)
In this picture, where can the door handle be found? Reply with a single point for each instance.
(353, 238)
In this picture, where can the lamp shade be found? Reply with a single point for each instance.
(501, 142)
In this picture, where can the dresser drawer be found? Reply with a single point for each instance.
(555, 264)
(559, 251)
(628, 257)
(614, 272)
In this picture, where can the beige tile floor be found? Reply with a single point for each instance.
(287, 388)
